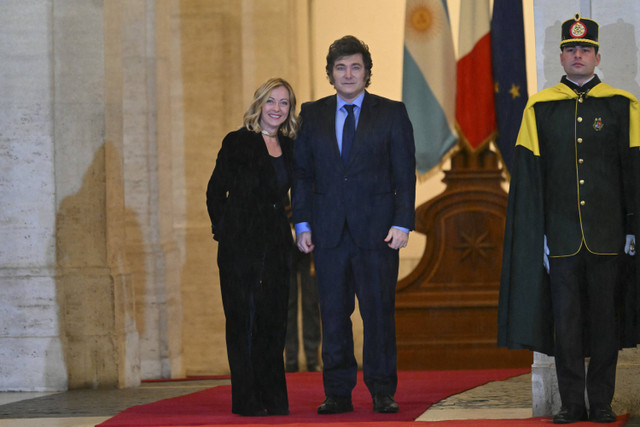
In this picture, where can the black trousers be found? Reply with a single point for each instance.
(344, 272)
(254, 296)
(303, 280)
(584, 290)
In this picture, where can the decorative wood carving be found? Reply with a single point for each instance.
(446, 309)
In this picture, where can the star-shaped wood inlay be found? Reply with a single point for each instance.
(475, 246)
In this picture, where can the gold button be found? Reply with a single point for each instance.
(580, 161)
(579, 119)
(580, 100)
(580, 140)
(582, 182)
(582, 203)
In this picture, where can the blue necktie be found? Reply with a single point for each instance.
(348, 131)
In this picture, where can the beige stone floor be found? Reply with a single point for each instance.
(507, 399)
(84, 408)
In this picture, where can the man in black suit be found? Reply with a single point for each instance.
(353, 202)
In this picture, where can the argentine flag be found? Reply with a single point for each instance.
(429, 80)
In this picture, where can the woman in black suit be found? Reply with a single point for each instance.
(246, 199)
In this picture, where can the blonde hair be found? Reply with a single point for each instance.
(252, 115)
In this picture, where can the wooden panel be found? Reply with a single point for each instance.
(446, 309)
(453, 337)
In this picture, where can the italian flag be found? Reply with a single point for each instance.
(475, 104)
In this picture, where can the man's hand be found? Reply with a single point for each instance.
(397, 239)
(304, 242)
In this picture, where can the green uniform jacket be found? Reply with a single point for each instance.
(575, 179)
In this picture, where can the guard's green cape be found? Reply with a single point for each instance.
(525, 319)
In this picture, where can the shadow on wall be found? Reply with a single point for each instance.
(95, 282)
(551, 52)
(619, 67)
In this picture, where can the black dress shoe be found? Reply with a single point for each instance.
(335, 405)
(384, 404)
(570, 414)
(602, 413)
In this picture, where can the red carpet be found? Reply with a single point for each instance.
(417, 390)
(529, 422)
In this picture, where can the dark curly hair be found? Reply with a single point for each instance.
(347, 46)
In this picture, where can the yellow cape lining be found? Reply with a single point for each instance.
(528, 135)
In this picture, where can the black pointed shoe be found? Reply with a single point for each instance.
(602, 413)
(384, 404)
(335, 405)
(570, 414)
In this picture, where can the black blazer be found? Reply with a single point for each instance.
(246, 207)
(375, 190)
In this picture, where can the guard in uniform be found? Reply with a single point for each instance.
(570, 227)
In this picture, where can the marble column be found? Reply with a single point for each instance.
(31, 345)
(95, 293)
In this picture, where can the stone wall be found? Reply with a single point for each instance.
(29, 312)
(111, 116)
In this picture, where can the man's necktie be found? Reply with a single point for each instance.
(348, 131)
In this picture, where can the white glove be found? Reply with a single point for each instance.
(545, 259)
(630, 245)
